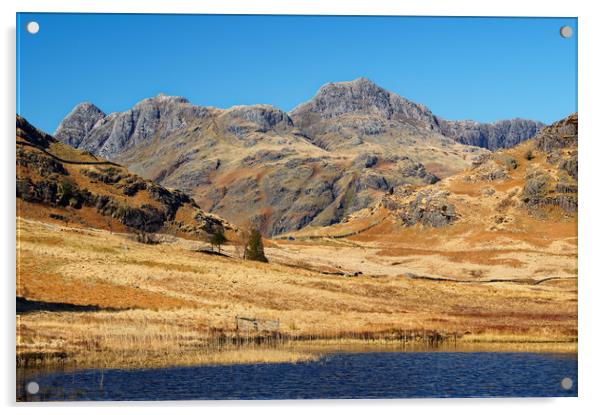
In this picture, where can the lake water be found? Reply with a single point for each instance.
(339, 376)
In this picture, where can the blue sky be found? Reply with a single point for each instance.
(461, 68)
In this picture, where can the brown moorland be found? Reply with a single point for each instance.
(170, 304)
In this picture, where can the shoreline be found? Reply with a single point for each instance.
(292, 352)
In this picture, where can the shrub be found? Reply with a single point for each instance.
(254, 250)
(217, 239)
(56, 216)
(68, 194)
(510, 162)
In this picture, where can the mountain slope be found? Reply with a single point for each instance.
(500, 134)
(513, 215)
(257, 165)
(252, 165)
(56, 182)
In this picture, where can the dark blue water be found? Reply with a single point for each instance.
(346, 375)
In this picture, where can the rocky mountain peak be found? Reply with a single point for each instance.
(362, 97)
(162, 99)
(341, 115)
(366, 107)
(78, 123)
(88, 128)
(359, 86)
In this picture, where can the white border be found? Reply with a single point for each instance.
(340, 7)
(590, 204)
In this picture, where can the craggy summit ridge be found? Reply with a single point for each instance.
(500, 134)
(361, 97)
(369, 109)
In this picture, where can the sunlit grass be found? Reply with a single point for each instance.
(176, 304)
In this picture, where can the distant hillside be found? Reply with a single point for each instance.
(56, 182)
(494, 136)
(524, 195)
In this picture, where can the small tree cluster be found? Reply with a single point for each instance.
(217, 240)
(254, 248)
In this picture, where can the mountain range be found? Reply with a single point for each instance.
(335, 154)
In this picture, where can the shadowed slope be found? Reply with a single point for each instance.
(58, 183)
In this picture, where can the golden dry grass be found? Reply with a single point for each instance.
(182, 301)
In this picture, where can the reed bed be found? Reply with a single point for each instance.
(138, 338)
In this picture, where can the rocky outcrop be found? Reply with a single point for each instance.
(491, 167)
(493, 136)
(78, 124)
(145, 218)
(558, 142)
(429, 207)
(536, 188)
(262, 117)
(570, 165)
(31, 135)
(53, 192)
(40, 163)
(540, 191)
(488, 171)
(561, 134)
(59, 191)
